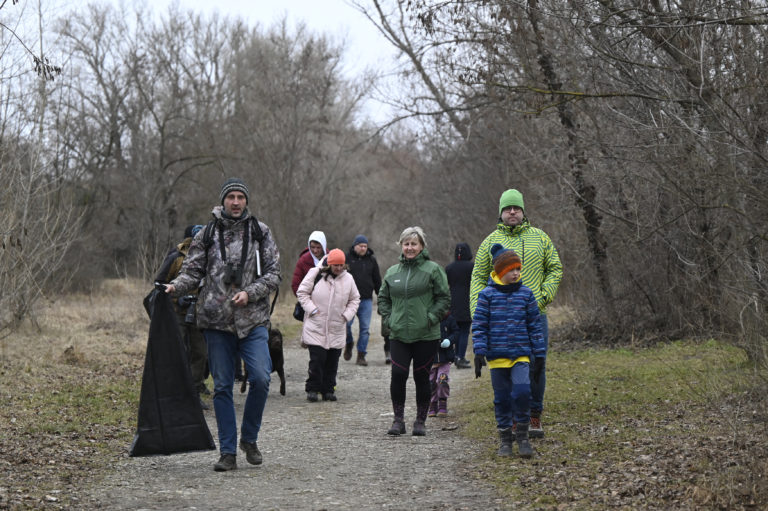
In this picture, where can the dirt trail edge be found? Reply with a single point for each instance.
(325, 455)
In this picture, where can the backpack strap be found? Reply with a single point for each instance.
(208, 234)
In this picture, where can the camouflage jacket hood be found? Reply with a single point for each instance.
(215, 309)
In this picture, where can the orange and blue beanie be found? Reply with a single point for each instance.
(504, 260)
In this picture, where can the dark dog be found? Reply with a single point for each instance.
(275, 343)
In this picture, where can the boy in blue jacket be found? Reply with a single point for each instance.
(506, 331)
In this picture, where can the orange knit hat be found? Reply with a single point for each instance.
(504, 260)
(336, 256)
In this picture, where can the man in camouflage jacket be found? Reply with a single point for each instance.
(238, 264)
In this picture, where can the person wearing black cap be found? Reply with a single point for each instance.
(239, 267)
(365, 270)
(459, 274)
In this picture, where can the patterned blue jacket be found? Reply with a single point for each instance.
(506, 322)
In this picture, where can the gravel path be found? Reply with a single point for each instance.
(324, 455)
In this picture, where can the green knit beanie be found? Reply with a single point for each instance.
(511, 198)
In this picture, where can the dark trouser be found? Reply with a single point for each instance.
(386, 344)
(511, 394)
(539, 385)
(423, 355)
(323, 366)
(197, 351)
(461, 346)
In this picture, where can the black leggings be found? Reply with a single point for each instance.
(423, 355)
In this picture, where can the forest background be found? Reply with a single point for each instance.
(637, 132)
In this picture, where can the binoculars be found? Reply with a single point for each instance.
(233, 274)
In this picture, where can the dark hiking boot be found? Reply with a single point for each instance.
(505, 442)
(329, 396)
(397, 428)
(252, 453)
(523, 445)
(535, 430)
(312, 396)
(398, 425)
(226, 462)
(361, 359)
(348, 351)
(432, 409)
(422, 409)
(463, 363)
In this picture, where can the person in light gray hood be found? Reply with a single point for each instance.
(237, 261)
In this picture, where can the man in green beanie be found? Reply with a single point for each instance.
(541, 272)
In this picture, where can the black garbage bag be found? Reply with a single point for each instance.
(170, 416)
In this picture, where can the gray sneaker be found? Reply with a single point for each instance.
(252, 454)
(226, 462)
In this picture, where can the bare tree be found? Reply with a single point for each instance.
(660, 131)
(38, 218)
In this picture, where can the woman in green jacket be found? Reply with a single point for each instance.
(413, 298)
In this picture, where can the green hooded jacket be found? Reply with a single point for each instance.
(413, 299)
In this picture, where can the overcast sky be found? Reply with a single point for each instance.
(337, 17)
(366, 47)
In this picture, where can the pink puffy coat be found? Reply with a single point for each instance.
(336, 301)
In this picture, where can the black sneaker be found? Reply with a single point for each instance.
(329, 396)
(252, 454)
(312, 396)
(226, 462)
(463, 363)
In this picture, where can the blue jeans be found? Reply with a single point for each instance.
(511, 394)
(364, 320)
(537, 387)
(223, 350)
(461, 347)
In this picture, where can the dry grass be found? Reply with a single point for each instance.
(676, 426)
(70, 384)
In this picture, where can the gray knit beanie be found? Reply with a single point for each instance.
(231, 185)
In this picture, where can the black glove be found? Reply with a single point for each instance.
(538, 368)
(479, 363)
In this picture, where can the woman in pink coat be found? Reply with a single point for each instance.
(330, 299)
